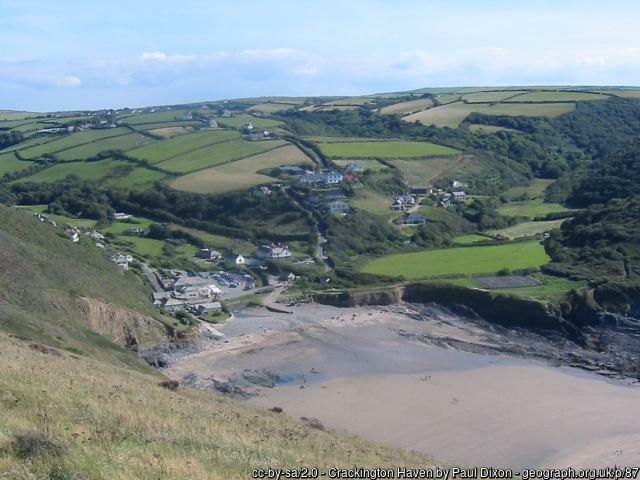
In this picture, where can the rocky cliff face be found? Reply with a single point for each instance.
(125, 327)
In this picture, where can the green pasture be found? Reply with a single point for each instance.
(561, 96)
(407, 107)
(71, 140)
(535, 189)
(10, 164)
(530, 208)
(180, 145)
(460, 260)
(88, 150)
(239, 120)
(153, 117)
(85, 170)
(217, 154)
(391, 149)
(527, 229)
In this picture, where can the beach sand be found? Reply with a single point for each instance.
(368, 371)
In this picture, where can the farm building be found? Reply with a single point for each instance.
(273, 251)
(459, 196)
(209, 307)
(236, 259)
(206, 254)
(338, 208)
(420, 190)
(415, 220)
(355, 167)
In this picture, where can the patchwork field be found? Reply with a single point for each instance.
(217, 154)
(490, 96)
(9, 163)
(128, 176)
(557, 97)
(390, 149)
(479, 128)
(15, 115)
(534, 190)
(181, 145)
(241, 174)
(144, 127)
(451, 115)
(169, 132)
(73, 140)
(88, 150)
(530, 208)
(461, 260)
(240, 120)
(155, 117)
(407, 107)
(84, 170)
(527, 229)
(270, 107)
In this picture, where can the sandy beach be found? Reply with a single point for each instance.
(436, 384)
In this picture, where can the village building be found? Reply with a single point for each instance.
(93, 235)
(197, 293)
(415, 220)
(273, 251)
(355, 167)
(74, 235)
(338, 208)
(420, 190)
(402, 202)
(236, 259)
(121, 216)
(122, 260)
(456, 184)
(136, 231)
(206, 254)
(327, 177)
(209, 307)
(459, 196)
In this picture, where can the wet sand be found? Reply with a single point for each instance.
(384, 375)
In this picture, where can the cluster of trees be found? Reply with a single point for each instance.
(8, 139)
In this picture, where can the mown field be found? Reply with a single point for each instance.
(9, 163)
(367, 163)
(407, 107)
(557, 97)
(451, 115)
(271, 107)
(167, 149)
(460, 260)
(217, 154)
(155, 117)
(530, 208)
(152, 126)
(241, 174)
(470, 239)
(535, 189)
(490, 96)
(391, 149)
(15, 115)
(239, 120)
(88, 150)
(65, 142)
(527, 229)
(418, 171)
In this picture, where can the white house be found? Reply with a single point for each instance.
(236, 258)
(456, 184)
(122, 260)
(196, 293)
(121, 216)
(273, 251)
(209, 307)
(459, 196)
(74, 235)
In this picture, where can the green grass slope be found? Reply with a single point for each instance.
(43, 278)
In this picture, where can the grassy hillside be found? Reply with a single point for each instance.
(73, 405)
(66, 418)
(43, 279)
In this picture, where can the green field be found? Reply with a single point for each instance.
(427, 170)
(240, 120)
(470, 239)
(152, 126)
(461, 260)
(557, 97)
(241, 174)
(490, 96)
(535, 189)
(407, 107)
(15, 115)
(552, 288)
(391, 149)
(143, 247)
(60, 219)
(30, 142)
(120, 228)
(367, 163)
(155, 117)
(133, 177)
(84, 170)
(530, 208)
(479, 128)
(167, 149)
(88, 150)
(73, 140)
(527, 229)
(9, 163)
(270, 107)
(451, 115)
(217, 154)
(372, 201)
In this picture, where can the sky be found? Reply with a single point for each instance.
(70, 54)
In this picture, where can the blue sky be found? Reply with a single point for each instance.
(84, 54)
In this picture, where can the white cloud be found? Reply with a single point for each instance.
(68, 81)
(163, 57)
